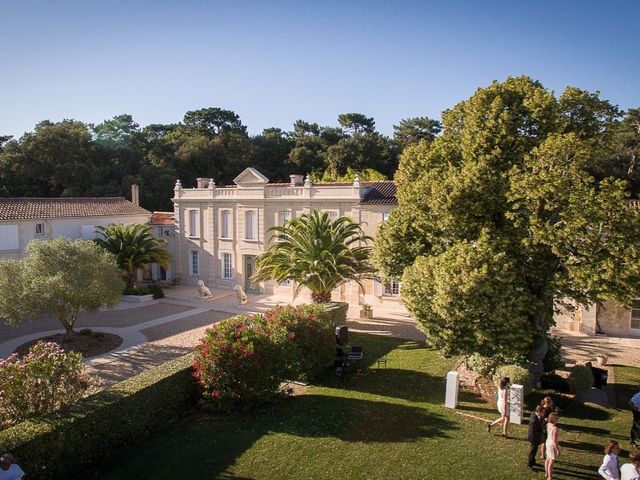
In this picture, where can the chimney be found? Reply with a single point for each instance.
(202, 182)
(297, 180)
(135, 194)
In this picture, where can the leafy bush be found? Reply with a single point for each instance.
(552, 360)
(46, 379)
(156, 291)
(517, 374)
(485, 366)
(310, 343)
(241, 362)
(58, 444)
(581, 379)
(138, 291)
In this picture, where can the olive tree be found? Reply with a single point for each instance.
(61, 277)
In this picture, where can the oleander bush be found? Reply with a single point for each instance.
(59, 444)
(310, 343)
(44, 380)
(243, 361)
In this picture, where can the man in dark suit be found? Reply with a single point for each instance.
(536, 434)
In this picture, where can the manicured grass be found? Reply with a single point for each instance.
(376, 424)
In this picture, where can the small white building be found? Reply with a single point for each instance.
(220, 230)
(26, 219)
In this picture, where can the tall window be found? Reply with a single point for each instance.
(635, 314)
(225, 224)
(193, 227)
(284, 217)
(39, 229)
(392, 288)
(195, 265)
(227, 270)
(250, 220)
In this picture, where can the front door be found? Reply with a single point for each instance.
(249, 268)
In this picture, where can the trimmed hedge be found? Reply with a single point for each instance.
(337, 312)
(151, 289)
(60, 444)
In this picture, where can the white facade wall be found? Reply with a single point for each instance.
(266, 202)
(68, 227)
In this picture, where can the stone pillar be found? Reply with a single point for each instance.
(516, 402)
(451, 396)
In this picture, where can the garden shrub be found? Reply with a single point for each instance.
(310, 343)
(58, 444)
(241, 362)
(152, 289)
(156, 291)
(552, 360)
(485, 366)
(517, 374)
(43, 381)
(581, 379)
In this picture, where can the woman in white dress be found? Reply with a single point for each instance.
(551, 445)
(503, 406)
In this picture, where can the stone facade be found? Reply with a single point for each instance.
(221, 230)
(609, 318)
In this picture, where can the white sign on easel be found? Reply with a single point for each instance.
(451, 396)
(516, 403)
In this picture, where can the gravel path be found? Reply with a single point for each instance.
(107, 318)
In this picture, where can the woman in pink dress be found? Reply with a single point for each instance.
(551, 445)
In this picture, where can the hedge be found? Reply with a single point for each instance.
(60, 444)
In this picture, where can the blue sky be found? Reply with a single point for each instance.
(273, 62)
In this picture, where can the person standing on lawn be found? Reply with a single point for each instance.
(548, 408)
(635, 426)
(552, 445)
(503, 406)
(536, 434)
(610, 468)
(631, 471)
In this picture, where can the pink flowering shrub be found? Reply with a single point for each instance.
(311, 343)
(242, 361)
(42, 381)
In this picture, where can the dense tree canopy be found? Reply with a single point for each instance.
(503, 215)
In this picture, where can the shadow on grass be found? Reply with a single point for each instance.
(206, 447)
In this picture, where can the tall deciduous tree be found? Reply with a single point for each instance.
(316, 253)
(500, 217)
(62, 277)
(133, 246)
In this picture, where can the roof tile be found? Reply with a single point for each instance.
(25, 208)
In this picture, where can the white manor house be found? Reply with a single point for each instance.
(220, 230)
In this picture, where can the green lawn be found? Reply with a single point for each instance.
(377, 424)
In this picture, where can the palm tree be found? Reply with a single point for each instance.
(317, 253)
(134, 246)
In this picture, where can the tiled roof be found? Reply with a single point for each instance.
(162, 218)
(379, 193)
(40, 208)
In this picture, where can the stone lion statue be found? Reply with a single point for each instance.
(240, 295)
(203, 290)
